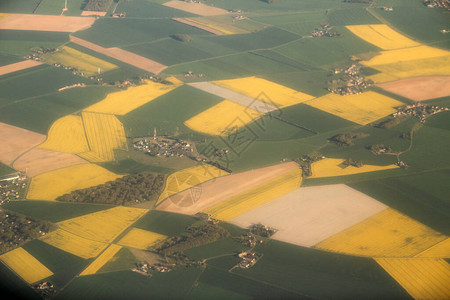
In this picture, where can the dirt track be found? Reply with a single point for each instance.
(123, 55)
(311, 214)
(45, 22)
(198, 198)
(196, 8)
(419, 88)
(21, 65)
(38, 161)
(15, 141)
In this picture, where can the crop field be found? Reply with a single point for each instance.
(25, 265)
(264, 90)
(196, 8)
(16, 141)
(104, 133)
(422, 278)
(55, 7)
(440, 250)
(404, 55)
(101, 260)
(50, 185)
(83, 62)
(38, 161)
(165, 223)
(66, 135)
(255, 197)
(123, 102)
(45, 22)
(18, 66)
(309, 215)
(223, 118)
(74, 244)
(387, 234)
(220, 189)
(420, 88)
(382, 36)
(362, 108)
(103, 226)
(150, 9)
(329, 167)
(206, 25)
(141, 239)
(184, 179)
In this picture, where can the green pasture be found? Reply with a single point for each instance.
(147, 9)
(165, 222)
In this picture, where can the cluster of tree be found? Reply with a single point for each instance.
(306, 160)
(353, 163)
(16, 230)
(379, 149)
(182, 37)
(96, 5)
(390, 123)
(261, 230)
(193, 236)
(129, 189)
(347, 139)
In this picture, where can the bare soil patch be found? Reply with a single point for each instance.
(207, 194)
(196, 8)
(21, 65)
(15, 141)
(311, 214)
(45, 22)
(123, 55)
(200, 26)
(93, 13)
(38, 161)
(419, 88)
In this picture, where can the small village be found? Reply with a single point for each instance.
(325, 31)
(46, 289)
(164, 147)
(419, 110)
(248, 259)
(438, 4)
(12, 187)
(348, 81)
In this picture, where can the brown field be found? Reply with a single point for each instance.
(309, 215)
(419, 88)
(38, 161)
(122, 55)
(207, 194)
(21, 65)
(197, 25)
(196, 8)
(16, 141)
(45, 22)
(93, 13)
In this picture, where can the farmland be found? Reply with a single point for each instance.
(141, 239)
(101, 260)
(330, 167)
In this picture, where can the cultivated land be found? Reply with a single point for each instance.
(419, 88)
(330, 167)
(45, 23)
(141, 239)
(101, 260)
(23, 65)
(196, 8)
(309, 215)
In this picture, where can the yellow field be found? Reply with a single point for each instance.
(25, 265)
(329, 167)
(74, 244)
(208, 23)
(223, 118)
(273, 93)
(66, 135)
(422, 278)
(187, 178)
(440, 250)
(101, 260)
(414, 68)
(255, 197)
(2, 15)
(141, 239)
(362, 108)
(87, 64)
(387, 234)
(50, 185)
(382, 36)
(103, 226)
(104, 134)
(407, 54)
(121, 103)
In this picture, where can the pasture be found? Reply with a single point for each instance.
(141, 239)
(101, 260)
(50, 185)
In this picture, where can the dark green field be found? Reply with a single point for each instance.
(13, 287)
(146, 9)
(54, 7)
(122, 261)
(130, 166)
(223, 247)
(4, 170)
(165, 223)
(8, 59)
(53, 211)
(18, 7)
(206, 292)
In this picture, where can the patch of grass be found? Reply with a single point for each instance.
(166, 223)
(146, 9)
(53, 211)
(121, 261)
(226, 246)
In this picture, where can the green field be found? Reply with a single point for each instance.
(321, 274)
(18, 7)
(130, 166)
(4, 170)
(8, 59)
(223, 247)
(54, 7)
(441, 120)
(351, 16)
(146, 9)
(53, 211)
(19, 42)
(207, 292)
(281, 6)
(121, 261)
(165, 223)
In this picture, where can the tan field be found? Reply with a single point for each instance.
(205, 195)
(21, 65)
(93, 13)
(216, 31)
(419, 88)
(16, 141)
(309, 215)
(38, 161)
(45, 22)
(122, 55)
(196, 8)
